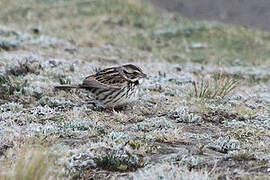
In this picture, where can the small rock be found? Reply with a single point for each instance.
(35, 30)
(178, 68)
(198, 45)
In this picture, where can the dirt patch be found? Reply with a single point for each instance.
(220, 117)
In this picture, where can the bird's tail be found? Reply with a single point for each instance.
(66, 86)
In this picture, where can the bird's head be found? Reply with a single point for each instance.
(132, 73)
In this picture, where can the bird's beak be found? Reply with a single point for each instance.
(143, 75)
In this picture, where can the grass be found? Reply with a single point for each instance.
(185, 100)
(30, 163)
(214, 88)
(137, 24)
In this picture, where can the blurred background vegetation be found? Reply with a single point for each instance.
(139, 25)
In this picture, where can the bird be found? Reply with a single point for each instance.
(112, 87)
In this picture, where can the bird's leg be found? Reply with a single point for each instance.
(113, 109)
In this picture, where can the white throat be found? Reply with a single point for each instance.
(141, 80)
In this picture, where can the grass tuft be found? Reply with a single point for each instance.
(219, 86)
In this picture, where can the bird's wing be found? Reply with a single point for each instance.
(108, 78)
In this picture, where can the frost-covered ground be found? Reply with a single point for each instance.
(203, 112)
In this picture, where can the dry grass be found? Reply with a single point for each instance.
(30, 164)
(213, 88)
